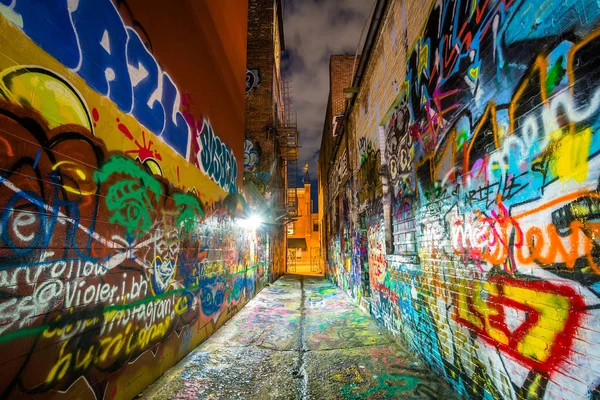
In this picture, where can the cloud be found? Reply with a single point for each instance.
(314, 30)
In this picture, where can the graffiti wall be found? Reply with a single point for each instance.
(487, 263)
(119, 250)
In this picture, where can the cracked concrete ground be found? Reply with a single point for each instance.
(300, 338)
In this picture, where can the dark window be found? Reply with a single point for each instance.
(403, 227)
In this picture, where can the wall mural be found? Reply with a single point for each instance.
(91, 40)
(117, 255)
(255, 171)
(252, 80)
(491, 172)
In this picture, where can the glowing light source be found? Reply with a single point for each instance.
(253, 222)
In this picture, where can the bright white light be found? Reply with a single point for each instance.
(253, 222)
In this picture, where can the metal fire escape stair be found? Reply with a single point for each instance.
(287, 137)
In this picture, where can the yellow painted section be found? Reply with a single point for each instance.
(570, 156)
(474, 73)
(59, 105)
(553, 313)
(44, 93)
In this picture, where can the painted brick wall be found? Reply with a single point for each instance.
(260, 99)
(263, 167)
(473, 228)
(341, 72)
(119, 251)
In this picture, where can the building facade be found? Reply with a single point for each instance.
(303, 236)
(122, 129)
(465, 222)
(341, 72)
(271, 144)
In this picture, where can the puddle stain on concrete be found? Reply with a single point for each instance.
(300, 338)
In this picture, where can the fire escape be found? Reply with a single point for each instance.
(287, 138)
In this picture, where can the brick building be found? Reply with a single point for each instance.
(341, 69)
(303, 235)
(271, 145)
(461, 224)
(264, 86)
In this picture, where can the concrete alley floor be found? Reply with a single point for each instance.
(300, 338)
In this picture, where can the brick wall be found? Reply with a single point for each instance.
(119, 249)
(341, 69)
(472, 203)
(340, 77)
(263, 167)
(260, 105)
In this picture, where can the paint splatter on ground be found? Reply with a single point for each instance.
(300, 338)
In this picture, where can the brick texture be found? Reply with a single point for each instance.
(341, 72)
(260, 101)
(264, 112)
(469, 219)
(120, 248)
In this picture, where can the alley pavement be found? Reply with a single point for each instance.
(300, 338)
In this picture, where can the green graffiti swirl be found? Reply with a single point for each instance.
(189, 208)
(129, 199)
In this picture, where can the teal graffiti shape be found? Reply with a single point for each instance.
(189, 208)
(393, 385)
(128, 198)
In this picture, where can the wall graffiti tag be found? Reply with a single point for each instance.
(252, 80)
(119, 250)
(91, 39)
(490, 160)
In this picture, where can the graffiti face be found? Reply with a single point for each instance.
(398, 146)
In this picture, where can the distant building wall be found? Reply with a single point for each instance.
(341, 70)
(264, 102)
(468, 222)
(263, 166)
(306, 226)
(119, 249)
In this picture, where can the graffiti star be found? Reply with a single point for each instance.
(145, 152)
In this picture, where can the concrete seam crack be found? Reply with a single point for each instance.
(300, 373)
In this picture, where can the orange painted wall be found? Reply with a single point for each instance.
(202, 43)
(120, 248)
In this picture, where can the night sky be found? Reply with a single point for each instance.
(314, 30)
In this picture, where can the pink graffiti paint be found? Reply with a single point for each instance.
(9, 150)
(125, 130)
(144, 151)
(95, 116)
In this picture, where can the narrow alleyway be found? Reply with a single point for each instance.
(300, 338)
